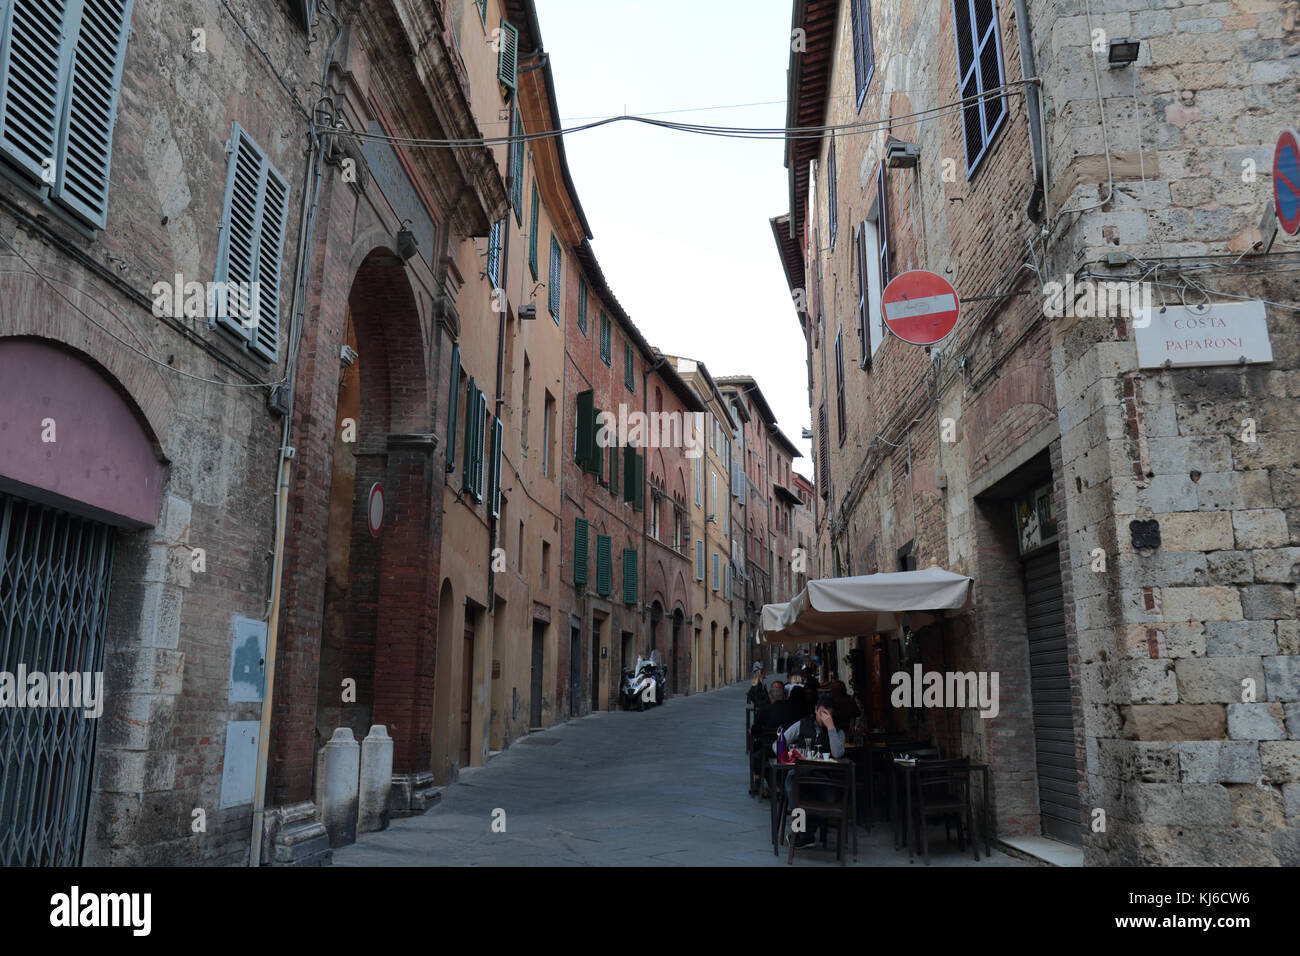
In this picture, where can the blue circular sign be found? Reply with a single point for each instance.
(1286, 182)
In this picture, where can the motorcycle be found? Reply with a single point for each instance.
(641, 686)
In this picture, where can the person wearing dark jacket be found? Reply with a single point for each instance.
(774, 715)
(757, 695)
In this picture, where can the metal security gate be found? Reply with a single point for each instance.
(54, 584)
(1049, 670)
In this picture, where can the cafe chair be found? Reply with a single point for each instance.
(943, 791)
(763, 741)
(828, 797)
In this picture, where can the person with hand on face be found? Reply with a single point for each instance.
(821, 730)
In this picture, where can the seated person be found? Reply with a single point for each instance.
(757, 692)
(821, 728)
(774, 715)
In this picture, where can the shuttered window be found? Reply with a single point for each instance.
(823, 452)
(554, 287)
(605, 348)
(508, 57)
(60, 70)
(699, 482)
(494, 253)
(580, 551)
(586, 450)
(832, 192)
(494, 485)
(629, 368)
(860, 260)
(604, 571)
(613, 469)
(475, 435)
(517, 149)
(699, 560)
(630, 577)
(717, 571)
(979, 66)
(633, 478)
(882, 228)
(582, 304)
(864, 56)
(839, 385)
(453, 405)
(253, 217)
(726, 583)
(532, 231)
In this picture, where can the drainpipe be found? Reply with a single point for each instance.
(315, 169)
(494, 529)
(1039, 195)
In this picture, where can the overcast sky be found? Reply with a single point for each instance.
(680, 221)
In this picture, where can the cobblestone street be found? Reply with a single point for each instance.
(617, 789)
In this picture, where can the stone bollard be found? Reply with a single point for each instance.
(376, 780)
(337, 766)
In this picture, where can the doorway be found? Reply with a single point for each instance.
(535, 699)
(467, 686)
(575, 671)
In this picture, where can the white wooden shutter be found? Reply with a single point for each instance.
(253, 221)
(90, 110)
(36, 43)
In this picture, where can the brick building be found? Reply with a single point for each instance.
(1039, 454)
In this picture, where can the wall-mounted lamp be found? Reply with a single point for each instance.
(528, 311)
(901, 155)
(1123, 52)
(406, 241)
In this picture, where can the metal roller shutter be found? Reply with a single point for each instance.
(1058, 779)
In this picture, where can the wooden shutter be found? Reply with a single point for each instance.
(584, 416)
(629, 368)
(882, 227)
(613, 469)
(580, 551)
(467, 465)
(630, 581)
(90, 110)
(832, 191)
(604, 338)
(36, 45)
(554, 287)
(699, 560)
(252, 235)
(517, 147)
(864, 319)
(453, 403)
(582, 304)
(604, 572)
(480, 422)
(532, 231)
(823, 452)
(629, 474)
(597, 455)
(508, 58)
(494, 485)
(638, 502)
(494, 253)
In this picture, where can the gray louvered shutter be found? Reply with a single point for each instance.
(90, 109)
(508, 59)
(36, 44)
(699, 560)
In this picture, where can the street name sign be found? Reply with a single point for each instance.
(1221, 333)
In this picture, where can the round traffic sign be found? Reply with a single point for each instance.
(1286, 182)
(375, 509)
(920, 307)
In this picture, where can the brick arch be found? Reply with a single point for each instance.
(679, 600)
(33, 308)
(386, 319)
(679, 491)
(657, 467)
(1025, 385)
(657, 583)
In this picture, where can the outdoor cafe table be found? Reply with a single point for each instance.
(776, 773)
(906, 771)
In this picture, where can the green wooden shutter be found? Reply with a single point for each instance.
(604, 572)
(517, 147)
(582, 304)
(90, 109)
(508, 58)
(597, 453)
(453, 404)
(629, 576)
(554, 285)
(629, 474)
(37, 39)
(494, 486)
(639, 503)
(580, 551)
(480, 422)
(532, 231)
(467, 467)
(629, 368)
(582, 446)
(613, 469)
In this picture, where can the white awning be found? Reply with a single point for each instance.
(865, 604)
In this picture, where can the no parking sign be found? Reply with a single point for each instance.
(1286, 182)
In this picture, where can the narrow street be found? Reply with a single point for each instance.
(617, 789)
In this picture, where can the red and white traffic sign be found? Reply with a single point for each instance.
(1286, 181)
(920, 307)
(375, 509)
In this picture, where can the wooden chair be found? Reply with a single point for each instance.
(763, 741)
(943, 790)
(828, 795)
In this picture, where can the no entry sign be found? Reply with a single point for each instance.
(920, 307)
(1286, 182)
(375, 509)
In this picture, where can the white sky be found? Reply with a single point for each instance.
(680, 221)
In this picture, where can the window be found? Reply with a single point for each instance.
(699, 560)
(629, 368)
(532, 231)
(823, 446)
(517, 147)
(654, 517)
(253, 217)
(832, 191)
(713, 492)
(475, 434)
(699, 483)
(864, 57)
(548, 429)
(717, 570)
(527, 403)
(605, 348)
(546, 565)
(630, 590)
(554, 288)
(62, 67)
(453, 405)
(582, 304)
(839, 382)
(508, 57)
(882, 229)
(979, 67)
(604, 570)
(494, 254)
(494, 482)
(580, 551)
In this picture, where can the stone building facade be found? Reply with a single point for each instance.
(1035, 451)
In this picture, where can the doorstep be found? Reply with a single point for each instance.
(1046, 850)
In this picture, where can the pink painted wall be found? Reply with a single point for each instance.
(101, 456)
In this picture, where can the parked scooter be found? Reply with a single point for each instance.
(640, 686)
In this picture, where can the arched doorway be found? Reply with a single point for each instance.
(675, 654)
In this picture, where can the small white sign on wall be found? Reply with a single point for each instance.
(1220, 333)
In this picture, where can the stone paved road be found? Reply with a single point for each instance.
(664, 787)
